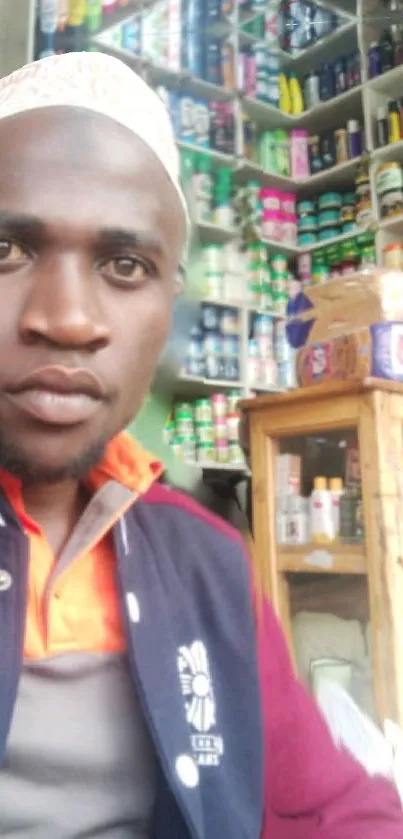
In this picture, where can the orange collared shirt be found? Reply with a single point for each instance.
(80, 612)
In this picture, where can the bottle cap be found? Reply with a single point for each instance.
(382, 112)
(353, 126)
(335, 484)
(320, 483)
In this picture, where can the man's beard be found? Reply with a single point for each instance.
(18, 463)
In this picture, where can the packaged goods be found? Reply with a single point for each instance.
(375, 350)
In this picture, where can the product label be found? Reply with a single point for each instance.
(319, 361)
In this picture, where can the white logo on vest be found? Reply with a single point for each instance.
(200, 706)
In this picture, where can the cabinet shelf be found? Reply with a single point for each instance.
(328, 559)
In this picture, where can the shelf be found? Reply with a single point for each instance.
(247, 170)
(393, 151)
(331, 559)
(280, 247)
(235, 468)
(198, 386)
(393, 224)
(338, 110)
(218, 158)
(344, 237)
(339, 177)
(267, 116)
(326, 49)
(240, 304)
(162, 75)
(391, 83)
(213, 234)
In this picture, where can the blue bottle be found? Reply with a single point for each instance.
(326, 83)
(193, 25)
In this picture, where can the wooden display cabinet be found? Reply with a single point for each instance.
(366, 579)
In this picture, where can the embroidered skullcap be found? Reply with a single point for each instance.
(101, 84)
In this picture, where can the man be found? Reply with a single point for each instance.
(133, 702)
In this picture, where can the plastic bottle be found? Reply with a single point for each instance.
(48, 16)
(285, 98)
(336, 491)
(321, 513)
(374, 60)
(393, 122)
(93, 15)
(299, 154)
(327, 83)
(203, 189)
(382, 131)
(297, 100)
(387, 52)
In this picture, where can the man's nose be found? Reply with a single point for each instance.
(63, 305)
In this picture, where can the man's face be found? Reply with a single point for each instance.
(91, 233)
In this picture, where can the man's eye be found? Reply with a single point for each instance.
(127, 268)
(10, 251)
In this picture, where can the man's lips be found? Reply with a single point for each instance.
(58, 395)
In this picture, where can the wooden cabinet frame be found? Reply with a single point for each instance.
(375, 409)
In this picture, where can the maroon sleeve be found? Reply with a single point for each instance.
(312, 789)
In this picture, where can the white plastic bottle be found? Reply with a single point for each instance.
(321, 513)
(336, 491)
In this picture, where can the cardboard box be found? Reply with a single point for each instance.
(349, 303)
(375, 350)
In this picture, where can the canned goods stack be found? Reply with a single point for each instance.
(270, 212)
(214, 348)
(207, 431)
(223, 272)
(268, 279)
(331, 215)
(271, 360)
(389, 189)
(337, 259)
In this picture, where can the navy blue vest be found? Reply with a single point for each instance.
(185, 594)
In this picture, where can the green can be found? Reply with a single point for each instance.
(204, 432)
(205, 453)
(233, 399)
(203, 411)
(188, 447)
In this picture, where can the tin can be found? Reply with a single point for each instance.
(184, 426)
(183, 410)
(212, 344)
(188, 447)
(235, 453)
(213, 366)
(233, 428)
(282, 349)
(222, 451)
(205, 453)
(233, 399)
(203, 411)
(210, 318)
(177, 448)
(266, 346)
(169, 432)
(220, 430)
(204, 432)
(253, 369)
(268, 372)
(213, 285)
(219, 403)
(230, 346)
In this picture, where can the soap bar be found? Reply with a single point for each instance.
(375, 350)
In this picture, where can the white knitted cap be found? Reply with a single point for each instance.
(98, 83)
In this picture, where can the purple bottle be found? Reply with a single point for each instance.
(374, 60)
